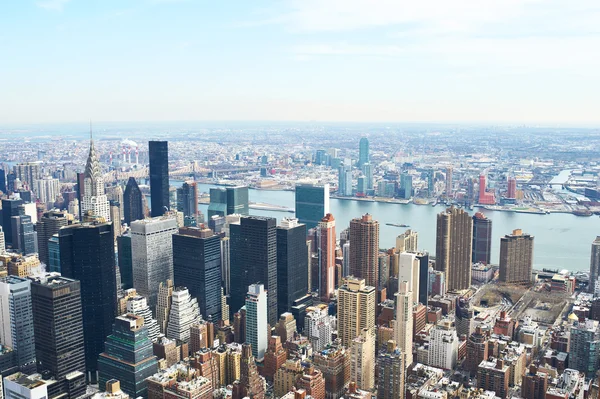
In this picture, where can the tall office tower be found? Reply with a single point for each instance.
(319, 327)
(584, 347)
(133, 206)
(87, 254)
(449, 182)
(250, 383)
(218, 202)
(326, 256)
(152, 254)
(24, 234)
(443, 346)
(158, 152)
(423, 258)
(407, 241)
(58, 327)
(256, 320)
(80, 190)
(409, 270)
(511, 192)
(312, 203)
(10, 208)
(128, 356)
(345, 180)
(516, 258)
(367, 170)
(364, 249)
(363, 151)
(94, 199)
(28, 173)
(137, 305)
(362, 359)
(226, 265)
(187, 199)
(275, 357)
(184, 312)
(431, 182)
(3, 187)
(237, 200)
(254, 260)
(125, 259)
(17, 320)
(482, 239)
(163, 306)
(406, 186)
(47, 189)
(2, 242)
(197, 266)
(334, 363)
(115, 216)
(464, 318)
(292, 264)
(403, 325)
(356, 309)
(390, 372)
(594, 264)
(485, 197)
(453, 249)
(46, 227)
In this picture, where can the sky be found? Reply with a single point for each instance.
(496, 61)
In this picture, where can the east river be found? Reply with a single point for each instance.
(562, 241)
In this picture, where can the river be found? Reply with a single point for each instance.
(562, 241)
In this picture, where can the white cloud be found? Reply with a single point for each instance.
(55, 5)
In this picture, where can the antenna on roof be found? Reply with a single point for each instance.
(91, 130)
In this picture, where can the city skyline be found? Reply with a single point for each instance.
(300, 61)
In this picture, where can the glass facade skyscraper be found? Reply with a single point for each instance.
(87, 254)
(125, 260)
(363, 151)
(197, 266)
(312, 204)
(10, 208)
(292, 264)
(128, 356)
(237, 200)
(159, 177)
(133, 206)
(482, 238)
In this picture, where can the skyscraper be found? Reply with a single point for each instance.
(449, 182)
(443, 345)
(152, 254)
(409, 271)
(250, 383)
(453, 248)
(58, 326)
(94, 199)
(133, 206)
(367, 170)
(254, 260)
(326, 256)
(292, 264)
(47, 189)
(10, 208)
(158, 152)
(3, 181)
(218, 202)
(594, 264)
(183, 312)
(28, 173)
(403, 325)
(423, 258)
(345, 179)
(362, 359)
(312, 203)
(256, 320)
(356, 309)
(407, 241)
(584, 347)
(516, 258)
(390, 372)
(187, 199)
(197, 266)
(87, 254)
(364, 249)
(511, 192)
(128, 356)
(485, 197)
(17, 320)
(46, 227)
(482, 238)
(406, 185)
(138, 305)
(125, 260)
(363, 151)
(24, 235)
(228, 201)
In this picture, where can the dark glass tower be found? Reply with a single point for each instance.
(128, 356)
(125, 261)
(24, 236)
(87, 254)
(159, 177)
(237, 200)
(3, 181)
(133, 207)
(10, 208)
(292, 264)
(58, 327)
(254, 260)
(187, 199)
(312, 204)
(363, 151)
(423, 277)
(46, 227)
(218, 202)
(482, 238)
(197, 266)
